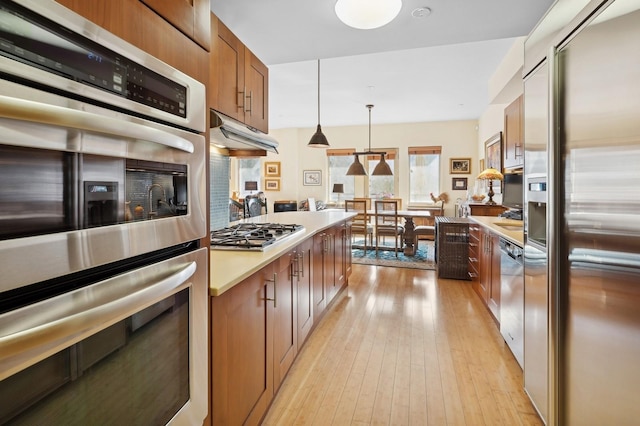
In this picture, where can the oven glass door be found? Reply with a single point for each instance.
(126, 350)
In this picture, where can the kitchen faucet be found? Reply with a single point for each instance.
(153, 213)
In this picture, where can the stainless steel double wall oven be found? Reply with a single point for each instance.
(103, 295)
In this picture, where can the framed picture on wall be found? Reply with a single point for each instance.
(493, 152)
(459, 184)
(312, 178)
(460, 166)
(272, 169)
(272, 184)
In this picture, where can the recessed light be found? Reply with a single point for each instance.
(421, 12)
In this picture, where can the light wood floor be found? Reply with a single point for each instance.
(402, 347)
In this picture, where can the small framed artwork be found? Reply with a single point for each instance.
(312, 178)
(272, 169)
(272, 184)
(459, 184)
(493, 152)
(460, 166)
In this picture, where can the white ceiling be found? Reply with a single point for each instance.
(413, 69)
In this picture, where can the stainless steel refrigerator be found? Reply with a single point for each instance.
(594, 195)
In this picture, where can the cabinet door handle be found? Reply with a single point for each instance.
(241, 98)
(274, 280)
(301, 264)
(250, 97)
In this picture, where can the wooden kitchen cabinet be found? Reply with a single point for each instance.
(474, 256)
(331, 265)
(285, 324)
(191, 17)
(239, 81)
(486, 209)
(242, 350)
(489, 284)
(303, 274)
(513, 153)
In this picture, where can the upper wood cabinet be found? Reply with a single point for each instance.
(239, 81)
(189, 16)
(514, 134)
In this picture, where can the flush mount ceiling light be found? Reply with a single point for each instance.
(318, 140)
(381, 169)
(367, 14)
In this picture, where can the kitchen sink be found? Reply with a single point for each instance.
(510, 225)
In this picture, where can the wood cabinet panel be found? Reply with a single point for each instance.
(488, 285)
(285, 330)
(256, 93)
(228, 76)
(486, 209)
(136, 23)
(189, 16)
(304, 285)
(239, 81)
(242, 350)
(513, 156)
(319, 288)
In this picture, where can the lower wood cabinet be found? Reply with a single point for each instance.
(488, 283)
(259, 325)
(242, 350)
(303, 275)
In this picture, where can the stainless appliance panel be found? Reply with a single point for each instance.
(599, 257)
(71, 251)
(69, 323)
(512, 298)
(536, 364)
(195, 102)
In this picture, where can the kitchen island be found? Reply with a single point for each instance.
(229, 267)
(264, 304)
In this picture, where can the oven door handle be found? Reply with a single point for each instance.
(32, 333)
(25, 110)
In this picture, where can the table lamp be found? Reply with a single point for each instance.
(490, 175)
(338, 188)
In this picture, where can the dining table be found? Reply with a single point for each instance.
(409, 248)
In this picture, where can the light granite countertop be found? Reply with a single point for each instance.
(510, 229)
(229, 267)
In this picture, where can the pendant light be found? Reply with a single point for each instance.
(318, 140)
(381, 169)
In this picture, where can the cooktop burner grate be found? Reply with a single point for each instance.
(251, 236)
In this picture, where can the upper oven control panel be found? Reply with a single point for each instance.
(39, 42)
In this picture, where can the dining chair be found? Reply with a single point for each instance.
(387, 223)
(367, 200)
(360, 224)
(254, 205)
(427, 231)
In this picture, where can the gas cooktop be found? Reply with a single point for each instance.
(251, 236)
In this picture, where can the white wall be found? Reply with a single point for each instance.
(459, 139)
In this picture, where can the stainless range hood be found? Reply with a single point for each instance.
(226, 132)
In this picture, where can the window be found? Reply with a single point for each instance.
(248, 171)
(339, 162)
(381, 186)
(424, 173)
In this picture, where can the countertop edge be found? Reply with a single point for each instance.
(229, 267)
(490, 222)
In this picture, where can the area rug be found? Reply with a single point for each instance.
(424, 258)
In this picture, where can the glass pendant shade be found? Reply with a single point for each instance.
(367, 14)
(382, 168)
(318, 140)
(356, 169)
